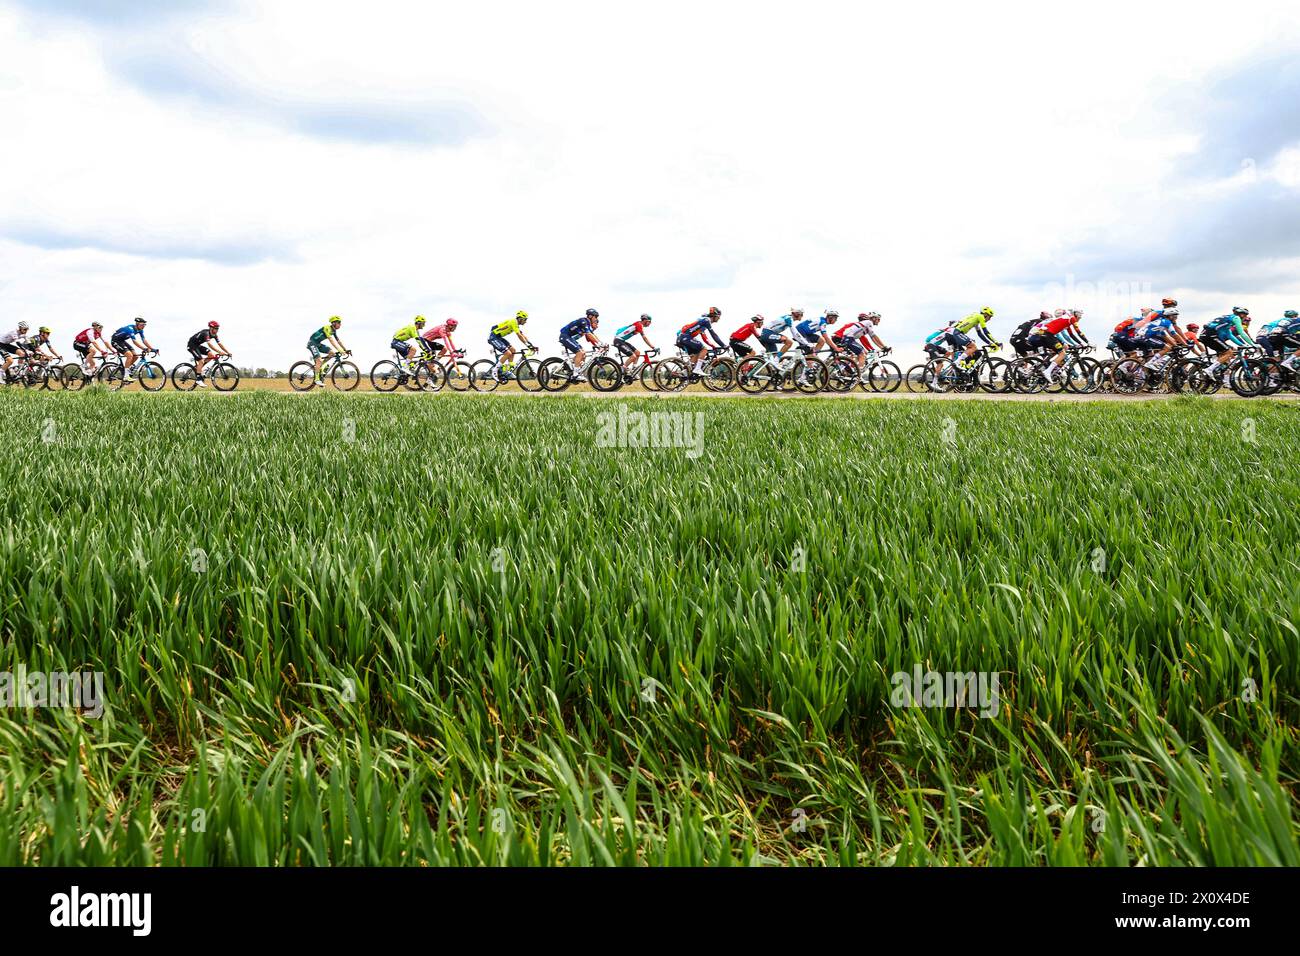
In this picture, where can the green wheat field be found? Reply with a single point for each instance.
(459, 630)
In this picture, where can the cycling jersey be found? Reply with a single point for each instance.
(508, 327)
(439, 332)
(1228, 328)
(1269, 328)
(627, 331)
(934, 338)
(744, 332)
(575, 328)
(326, 331)
(1022, 331)
(811, 329)
(129, 332)
(699, 328)
(1158, 327)
(1126, 327)
(855, 330)
(406, 332)
(13, 338)
(85, 335)
(778, 324)
(201, 338)
(1055, 326)
(974, 320)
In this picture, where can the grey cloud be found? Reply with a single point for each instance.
(222, 251)
(112, 13)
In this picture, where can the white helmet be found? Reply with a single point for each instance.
(1060, 313)
(22, 326)
(1171, 313)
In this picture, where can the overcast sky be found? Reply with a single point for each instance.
(271, 164)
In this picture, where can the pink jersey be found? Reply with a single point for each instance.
(439, 332)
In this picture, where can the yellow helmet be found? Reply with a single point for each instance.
(521, 315)
(335, 320)
(419, 320)
(986, 312)
(44, 330)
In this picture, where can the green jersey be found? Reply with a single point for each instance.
(324, 332)
(406, 332)
(508, 327)
(972, 320)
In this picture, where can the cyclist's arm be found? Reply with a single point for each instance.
(591, 337)
(224, 351)
(338, 343)
(876, 338)
(983, 332)
(646, 341)
(146, 343)
(713, 333)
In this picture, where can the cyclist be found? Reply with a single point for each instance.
(1162, 334)
(89, 344)
(935, 343)
(1287, 338)
(857, 337)
(322, 343)
(630, 352)
(437, 340)
(691, 335)
(124, 342)
(979, 321)
(1020, 337)
(812, 334)
(501, 345)
(1224, 335)
(405, 334)
(1270, 336)
(39, 347)
(12, 344)
(586, 327)
(1193, 339)
(737, 338)
(773, 332)
(205, 346)
(1060, 332)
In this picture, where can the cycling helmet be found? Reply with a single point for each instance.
(335, 320)
(140, 321)
(794, 312)
(1060, 313)
(21, 326)
(521, 315)
(44, 330)
(1192, 327)
(1171, 313)
(1291, 314)
(1169, 303)
(873, 316)
(592, 313)
(97, 325)
(1044, 315)
(214, 324)
(451, 323)
(986, 312)
(832, 314)
(1145, 312)
(645, 318)
(714, 312)
(419, 321)
(1077, 313)
(1240, 310)
(759, 319)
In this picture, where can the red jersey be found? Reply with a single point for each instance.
(744, 332)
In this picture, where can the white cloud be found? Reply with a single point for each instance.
(909, 159)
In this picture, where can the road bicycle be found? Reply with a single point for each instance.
(524, 370)
(718, 373)
(1076, 373)
(643, 370)
(28, 371)
(148, 374)
(776, 371)
(602, 373)
(877, 373)
(388, 375)
(963, 374)
(223, 375)
(342, 374)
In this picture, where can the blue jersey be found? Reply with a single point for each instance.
(1288, 327)
(934, 338)
(575, 328)
(811, 328)
(1159, 326)
(129, 331)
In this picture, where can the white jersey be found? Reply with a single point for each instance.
(13, 338)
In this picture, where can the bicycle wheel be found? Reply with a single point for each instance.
(1250, 378)
(302, 376)
(754, 375)
(913, 379)
(554, 374)
(1129, 376)
(648, 377)
(843, 374)
(940, 376)
(720, 374)
(459, 376)
(672, 375)
(152, 377)
(528, 375)
(73, 377)
(993, 375)
(345, 376)
(224, 377)
(184, 378)
(113, 376)
(885, 377)
(483, 376)
(814, 376)
(53, 377)
(386, 376)
(605, 375)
